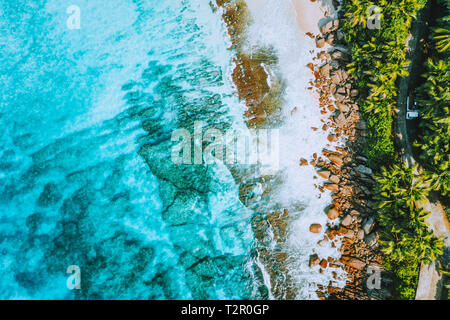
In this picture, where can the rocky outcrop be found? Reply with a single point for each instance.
(345, 173)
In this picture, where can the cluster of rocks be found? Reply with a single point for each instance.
(346, 173)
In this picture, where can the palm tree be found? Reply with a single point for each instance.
(442, 35)
(357, 12)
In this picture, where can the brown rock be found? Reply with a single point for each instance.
(354, 93)
(340, 120)
(341, 74)
(347, 221)
(323, 263)
(332, 137)
(349, 234)
(314, 260)
(342, 91)
(303, 162)
(323, 55)
(315, 228)
(335, 79)
(320, 42)
(325, 70)
(338, 55)
(330, 38)
(343, 107)
(335, 24)
(352, 262)
(334, 179)
(324, 174)
(332, 187)
(333, 214)
(332, 88)
(340, 97)
(360, 234)
(329, 26)
(336, 159)
(354, 213)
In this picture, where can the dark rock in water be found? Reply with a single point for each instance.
(49, 196)
(29, 280)
(194, 177)
(361, 125)
(180, 211)
(33, 221)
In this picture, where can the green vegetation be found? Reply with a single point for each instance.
(406, 239)
(434, 101)
(442, 32)
(378, 60)
(446, 274)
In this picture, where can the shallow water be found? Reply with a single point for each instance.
(86, 176)
(82, 111)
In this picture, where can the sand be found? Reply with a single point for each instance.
(310, 15)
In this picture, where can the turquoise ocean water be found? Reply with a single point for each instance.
(86, 117)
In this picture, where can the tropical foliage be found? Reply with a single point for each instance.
(446, 274)
(442, 32)
(407, 240)
(378, 59)
(434, 101)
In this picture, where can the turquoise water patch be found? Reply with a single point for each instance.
(85, 172)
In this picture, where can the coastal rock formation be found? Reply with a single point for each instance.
(346, 171)
(315, 228)
(333, 214)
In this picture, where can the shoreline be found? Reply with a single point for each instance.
(344, 170)
(349, 177)
(284, 220)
